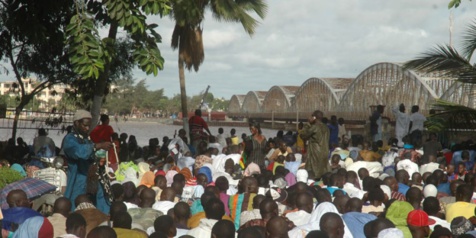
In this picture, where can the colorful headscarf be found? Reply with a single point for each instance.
(208, 172)
(148, 179)
(186, 173)
(397, 213)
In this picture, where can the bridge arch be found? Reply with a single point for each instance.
(236, 103)
(320, 93)
(279, 99)
(253, 101)
(461, 93)
(389, 84)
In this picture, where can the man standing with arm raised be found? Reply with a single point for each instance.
(317, 135)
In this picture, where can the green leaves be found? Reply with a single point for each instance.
(149, 59)
(454, 3)
(86, 50)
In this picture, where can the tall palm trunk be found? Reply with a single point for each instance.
(183, 93)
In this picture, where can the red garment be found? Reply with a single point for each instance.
(102, 133)
(197, 124)
(270, 167)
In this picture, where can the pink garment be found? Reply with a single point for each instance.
(290, 179)
(252, 169)
(225, 198)
(169, 176)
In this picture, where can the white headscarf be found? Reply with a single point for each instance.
(317, 214)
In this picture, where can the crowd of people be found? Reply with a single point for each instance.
(316, 182)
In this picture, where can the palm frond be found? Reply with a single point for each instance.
(450, 117)
(239, 11)
(446, 61)
(469, 40)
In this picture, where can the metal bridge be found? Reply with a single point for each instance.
(353, 99)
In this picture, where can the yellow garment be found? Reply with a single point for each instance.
(457, 209)
(128, 233)
(370, 156)
(194, 221)
(299, 141)
(278, 152)
(234, 140)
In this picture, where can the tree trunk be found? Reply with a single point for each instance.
(25, 99)
(101, 83)
(183, 93)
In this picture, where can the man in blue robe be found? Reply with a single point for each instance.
(79, 151)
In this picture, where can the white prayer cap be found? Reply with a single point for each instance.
(430, 190)
(302, 175)
(80, 114)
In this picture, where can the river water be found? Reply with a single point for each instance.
(142, 130)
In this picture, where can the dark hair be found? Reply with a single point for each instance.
(222, 183)
(163, 223)
(75, 221)
(104, 118)
(42, 132)
(224, 229)
(376, 194)
(415, 108)
(179, 178)
(117, 190)
(220, 130)
(198, 112)
(116, 208)
(214, 209)
(431, 205)
(122, 220)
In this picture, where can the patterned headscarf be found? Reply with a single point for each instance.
(148, 179)
(186, 173)
(461, 225)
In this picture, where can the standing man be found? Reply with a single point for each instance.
(417, 120)
(79, 152)
(376, 124)
(43, 145)
(196, 125)
(102, 133)
(317, 135)
(402, 122)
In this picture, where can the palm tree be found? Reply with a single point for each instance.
(446, 61)
(187, 34)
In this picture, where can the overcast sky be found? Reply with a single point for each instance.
(300, 39)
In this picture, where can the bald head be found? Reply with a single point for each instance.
(340, 202)
(62, 206)
(17, 198)
(160, 181)
(168, 194)
(181, 211)
(147, 198)
(277, 227)
(354, 205)
(82, 198)
(249, 185)
(332, 224)
(257, 201)
(268, 208)
(304, 202)
(372, 228)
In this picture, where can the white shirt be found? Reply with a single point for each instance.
(299, 218)
(401, 125)
(440, 222)
(353, 192)
(163, 206)
(204, 229)
(221, 140)
(407, 165)
(247, 216)
(430, 167)
(418, 121)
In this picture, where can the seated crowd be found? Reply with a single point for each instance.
(371, 190)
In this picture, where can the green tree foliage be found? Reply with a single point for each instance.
(8, 176)
(93, 58)
(32, 43)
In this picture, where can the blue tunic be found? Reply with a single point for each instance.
(79, 154)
